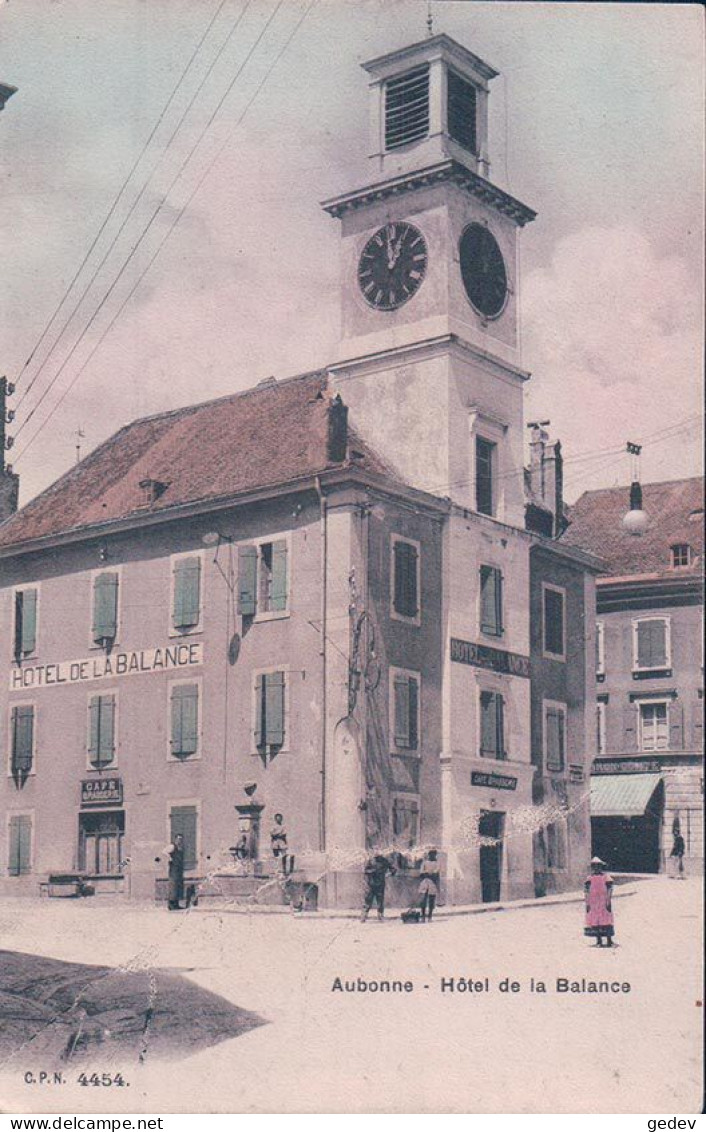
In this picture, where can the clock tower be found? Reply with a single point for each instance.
(429, 354)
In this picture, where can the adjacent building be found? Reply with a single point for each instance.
(339, 596)
(648, 776)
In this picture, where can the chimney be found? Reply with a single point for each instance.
(546, 475)
(9, 480)
(337, 431)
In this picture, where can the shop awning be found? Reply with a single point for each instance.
(622, 795)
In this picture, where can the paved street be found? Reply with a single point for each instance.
(420, 1051)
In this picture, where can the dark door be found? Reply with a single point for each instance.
(490, 827)
(101, 843)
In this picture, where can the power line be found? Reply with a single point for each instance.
(173, 225)
(150, 222)
(114, 205)
(138, 198)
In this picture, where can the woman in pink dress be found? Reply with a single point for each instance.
(599, 914)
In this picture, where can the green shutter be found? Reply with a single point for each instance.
(22, 739)
(488, 724)
(491, 620)
(402, 712)
(20, 844)
(499, 727)
(274, 709)
(247, 580)
(25, 622)
(413, 713)
(101, 745)
(185, 720)
(651, 644)
(553, 622)
(406, 598)
(260, 729)
(279, 575)
(182, 821)
(555, 739)
(105, 607)
(187, 593)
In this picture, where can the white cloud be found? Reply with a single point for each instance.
(612, 335)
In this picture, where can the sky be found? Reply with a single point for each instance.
(595, 122)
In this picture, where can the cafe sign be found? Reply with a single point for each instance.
(106, 666)
(485, 656)
(494, 781)
(100, 791)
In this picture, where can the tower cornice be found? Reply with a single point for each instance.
(443, 172)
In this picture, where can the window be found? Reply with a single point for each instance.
(101, 730)
(404, 709)
(405, 823)
(554, 736)
(405, 580)
(263, 578)
(183, 822)
(600, 728)
(485, 460)
(461, 104)
(21, 742)
(651, 644)
(654, 726)
(19, 861)
(681, 555)
(186, 593)
(491, 601)
(492, 726)
(407, 108)
(556, 846)
(600, 649)
(25, 636)
(553, 621)
(270, 722)
(184, 735)
(105, 608)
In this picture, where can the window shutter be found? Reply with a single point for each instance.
(274, 709)
(106, 734)
(94, 713)
(651, 644)
(488, 724)
(247, 580)
(675, 713)
(697, 727)
(182, 821)
(406, 601)
(25, 622)
(555, 739)
(279, 575)
(260, 729)
(413, 713)
(461, 100)
(499, 727)
(630, 728)
(22, 739)
(402, 710)
(105, 607)
(20, 844)
(407, 107)
(187, 592)
(491, 620)
(553, 622)
(185, 714)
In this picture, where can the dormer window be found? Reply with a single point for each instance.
(407, 108)
(461, 107)
(681, 555)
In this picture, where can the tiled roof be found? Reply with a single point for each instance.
(272, 434)
(675, 515)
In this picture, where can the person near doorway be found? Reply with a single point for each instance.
(375, 875)
(676, 857)
(175, 856)
(599, 912)
(278, 842)
(429, 885)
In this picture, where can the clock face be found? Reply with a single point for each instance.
(483, 271)
(392, 266)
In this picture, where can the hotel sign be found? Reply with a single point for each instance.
(106, 666)
(628, 766)
(484, 656)
(494, 781)
(99, 791)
